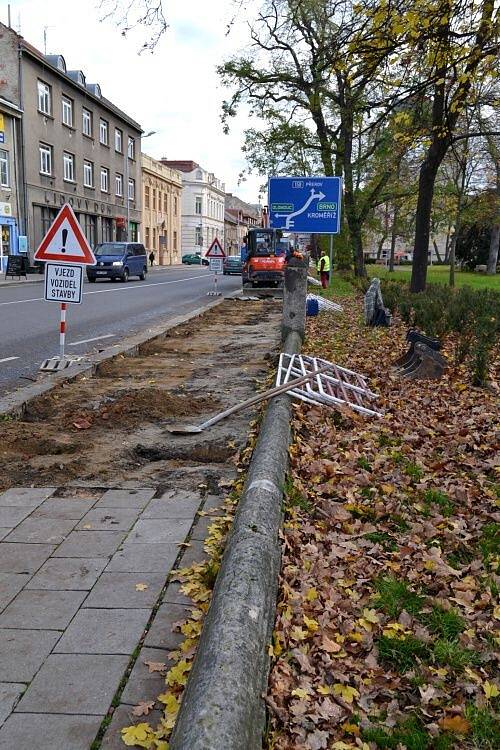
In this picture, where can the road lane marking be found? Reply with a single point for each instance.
(8, 359)
(95, 338)
(127, 288)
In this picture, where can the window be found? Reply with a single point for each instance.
(131, 147)
(104, 180)
(175, 205)
(165, 203)
(67, 111)
(119, 185)
(107, 229)
(197, 207)
(146, 196)
(118, 140)
(103, 132)
(68, 167)
(147, 236)
(131, 190)
(88, 174)
(4, 168)
(87, 122)
(154, 239)
(198, 240)
(45, 159)
(44, 98)
(154, 199)
(175, 240)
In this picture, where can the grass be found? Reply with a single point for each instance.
(400, 653)
(339, 287)
(452, 654)
(294, 499)
(394, 596)
(410, 734)
(485, 727)
(441, 500)
(382, 538)
(445, 623)
(490, 541)
(438, 275)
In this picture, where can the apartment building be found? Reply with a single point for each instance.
(161, 215)
(202, 206)
(76, 147)
(245, 216)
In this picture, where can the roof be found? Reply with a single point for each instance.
(228, 216)
(45, 61)
(183, 165)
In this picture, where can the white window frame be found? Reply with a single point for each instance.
(198, 204)
(68, 167)
(4, 168)
(118, 141)
(88, 167)
(131, 147)
(119, 185)
(131, 189)
(86, 120)
(104, 180)
(44, 97)
(45, 153)
(67, 107)
(103, 132)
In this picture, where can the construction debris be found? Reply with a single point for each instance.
(336, 387)
(314, 282)
(324, 304)
(422, 361)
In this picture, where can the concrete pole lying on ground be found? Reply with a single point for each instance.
(222, 705)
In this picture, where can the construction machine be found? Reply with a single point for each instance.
(264, 264)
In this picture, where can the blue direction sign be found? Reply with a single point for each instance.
(305, 204)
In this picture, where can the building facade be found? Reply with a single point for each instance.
(161, 214)
(203, 197)
(245, 215)
(11, 207)
(76, 147)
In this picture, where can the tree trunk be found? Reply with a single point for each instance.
(394, 234)
(380, 246)
(357, 242)
(491, 268)
(436, 250)
(426, 181)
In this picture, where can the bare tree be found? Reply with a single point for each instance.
(130, 14)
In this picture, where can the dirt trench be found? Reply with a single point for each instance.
(110, 429)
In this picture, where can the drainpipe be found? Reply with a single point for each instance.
(26, 218)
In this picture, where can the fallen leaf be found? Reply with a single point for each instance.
(82, 424)
(156, 666)
(490, 690)
(346, 692)
(141, 586)
(143, 708)
(139, 735)
(456, 724)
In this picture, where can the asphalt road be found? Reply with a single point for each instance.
(29, 326)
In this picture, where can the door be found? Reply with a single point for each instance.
(5, 245)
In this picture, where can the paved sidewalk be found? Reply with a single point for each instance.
(80, 574)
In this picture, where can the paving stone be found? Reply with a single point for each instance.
(125, 498)
(12, 516)
(172, 507)
(193, 554)
(174, 595)
(123, 717)
(42, 610)
(25, 497)
(115, 590)
(23, 558)
(49, 732)
(74, 684)
(90, 544)
(41, 531)
(112, 519)
(104, 631)
(59, 507)
(152, 531)
(23, 651)
(68, 574)
(10, 692)
(200, 528)
(10, 585)
(160, 634)
(4, 532)
(143, 685)
(144, 558)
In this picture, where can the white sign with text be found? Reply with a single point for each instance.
(63, 283)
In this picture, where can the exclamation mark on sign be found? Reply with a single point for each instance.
(64, 238)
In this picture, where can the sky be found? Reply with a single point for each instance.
(175, 91)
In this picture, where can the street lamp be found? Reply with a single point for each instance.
(131, 138)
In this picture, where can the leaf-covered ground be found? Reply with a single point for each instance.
(386, 629)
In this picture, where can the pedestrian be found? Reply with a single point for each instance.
(323, 268)
(151, 258)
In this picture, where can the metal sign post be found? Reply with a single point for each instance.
(216, 255)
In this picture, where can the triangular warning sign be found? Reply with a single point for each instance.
(215, 250)
(65, 241)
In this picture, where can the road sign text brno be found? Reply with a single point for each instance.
(63, 283)
(305, 204)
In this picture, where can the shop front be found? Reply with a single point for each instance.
(8, 235)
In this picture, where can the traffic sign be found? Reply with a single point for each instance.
(63, 283)
(65, 241)
(215, 250)
(216, 265)
(305, 204)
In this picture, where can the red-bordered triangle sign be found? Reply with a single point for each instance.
(215, 250)
(65, 241)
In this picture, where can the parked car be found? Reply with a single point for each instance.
(194, 259)
(232, 264)
(118, 260)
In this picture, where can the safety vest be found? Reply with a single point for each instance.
(326, 265)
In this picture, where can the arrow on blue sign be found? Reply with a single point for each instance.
(305, 204)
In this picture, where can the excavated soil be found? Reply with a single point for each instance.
(111, 429)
